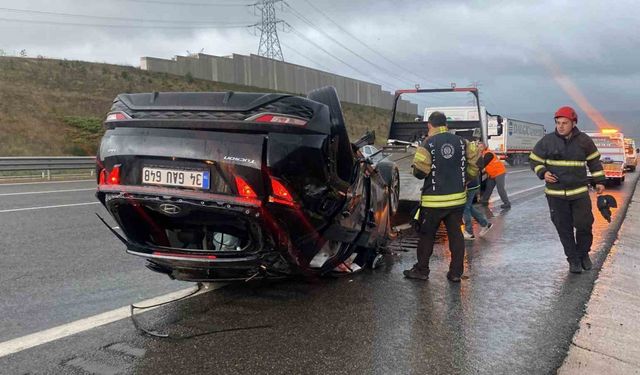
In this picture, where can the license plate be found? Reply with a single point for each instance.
(175, 177)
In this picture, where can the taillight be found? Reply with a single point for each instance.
(279, 119)
(280, 193)
(244, 189)
(116, 116)
(110, 178)
(103, 177)
(114, 175)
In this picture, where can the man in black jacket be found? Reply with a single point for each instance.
(445, 162)
(559, 159)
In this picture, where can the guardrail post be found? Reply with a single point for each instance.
(48, 175)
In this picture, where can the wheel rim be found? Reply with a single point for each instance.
(394, 193)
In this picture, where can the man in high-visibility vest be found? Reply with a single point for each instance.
(561, 159)
(446, 162)
(496, 175)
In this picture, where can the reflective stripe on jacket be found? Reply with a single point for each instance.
(442, 160)
(568, 159)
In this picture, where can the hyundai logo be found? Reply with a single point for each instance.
(170, 209)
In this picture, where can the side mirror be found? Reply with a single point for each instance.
(638, 150)
(500, 126)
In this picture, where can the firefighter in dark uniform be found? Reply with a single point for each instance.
(560, 159)
(446, 162)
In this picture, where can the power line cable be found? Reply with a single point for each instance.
(41, 12)
(126, 26)
(367, 46)
(304, 37)
(304, 57)
(312, 25)
(189, 3)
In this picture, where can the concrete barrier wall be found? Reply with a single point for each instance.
(276, 75)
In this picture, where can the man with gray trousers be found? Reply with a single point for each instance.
(496, 173)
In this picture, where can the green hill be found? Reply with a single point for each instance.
(56, 107)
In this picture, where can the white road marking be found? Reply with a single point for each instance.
(516, 193)
(55, 333)
(45, 207)
(46, 182)
(44, 192)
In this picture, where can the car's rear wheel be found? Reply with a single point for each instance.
(394, 193)
(344, 158)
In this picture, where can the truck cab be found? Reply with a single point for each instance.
(631, 154)
(610, 144)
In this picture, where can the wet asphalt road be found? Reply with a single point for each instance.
(61, 264)
(515, 314)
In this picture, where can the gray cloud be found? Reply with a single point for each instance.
(496, 43)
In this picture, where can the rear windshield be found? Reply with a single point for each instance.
(606, 142)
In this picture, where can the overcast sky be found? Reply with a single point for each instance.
(512, 49)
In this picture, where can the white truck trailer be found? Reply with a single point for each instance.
(517, 140)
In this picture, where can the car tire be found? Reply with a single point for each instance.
(377, 261)
(329, 96)
(344, 158)
(394, 193)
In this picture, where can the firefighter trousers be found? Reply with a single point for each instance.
(567, 214)
(430, 219)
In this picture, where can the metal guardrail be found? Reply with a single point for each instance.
(46, 163)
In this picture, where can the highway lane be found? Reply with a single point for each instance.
(49, 194)
(516, 314)
(62, 264)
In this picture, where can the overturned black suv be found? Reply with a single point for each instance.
(235, 186)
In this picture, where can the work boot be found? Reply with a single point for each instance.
(453, 279)
(415, 273)
(586, 262)
(575, 266)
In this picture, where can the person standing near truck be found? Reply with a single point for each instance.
(471, 212)
(445, 161)
(496, 176)
(559, 159)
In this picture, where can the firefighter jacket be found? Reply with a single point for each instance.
(568, 159)
(493, 165)
(446, 162)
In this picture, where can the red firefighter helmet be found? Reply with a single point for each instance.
(567, 112)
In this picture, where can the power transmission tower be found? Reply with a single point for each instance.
(269, 42)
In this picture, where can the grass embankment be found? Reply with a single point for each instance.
(56, 107)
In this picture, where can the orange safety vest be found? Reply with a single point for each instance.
(495, 167)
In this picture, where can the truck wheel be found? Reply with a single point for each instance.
(511, 160)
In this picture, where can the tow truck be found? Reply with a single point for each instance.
(404, 136)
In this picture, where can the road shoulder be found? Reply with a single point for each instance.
(607, 340)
